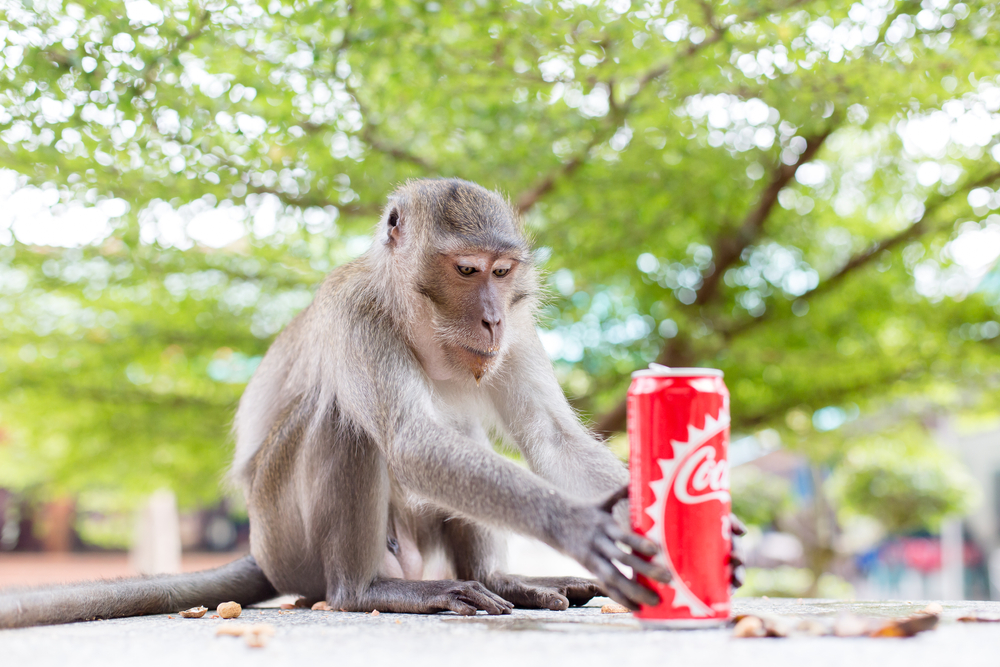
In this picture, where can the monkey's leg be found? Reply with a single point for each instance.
(345, 509)
(477, 554)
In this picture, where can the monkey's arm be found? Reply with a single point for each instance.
(546, 429)
(554, 442)
(440, 464)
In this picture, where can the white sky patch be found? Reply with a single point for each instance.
(37, 216)
(218, 227)
(970, 122)
(812, 174)
(143, 12)
(741, 125)
(977, 249)
(974, 252)
(76, 225)
(160, 223)
(202, 222)
(928, 173)
(265, 218)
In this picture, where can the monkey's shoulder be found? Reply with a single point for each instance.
(353, 292)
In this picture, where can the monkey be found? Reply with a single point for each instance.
(364, 442)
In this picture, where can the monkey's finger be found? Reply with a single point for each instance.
(621, 599)
(579, 595)
(615, 498)
(736, 556)
(598, 589)
(478, 595)
(644, 567)
(632, 590)
(738, 526)
(738, 576)
(635, 542)
(481, 588)
(481, 603)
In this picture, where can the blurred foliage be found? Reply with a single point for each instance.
(102, 522)
(753, 186)
(904, 481)
(793, 582)
(759, 498)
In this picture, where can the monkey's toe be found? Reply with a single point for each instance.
(554, 601)
(468, 597)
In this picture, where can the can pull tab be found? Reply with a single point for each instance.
(658, 367)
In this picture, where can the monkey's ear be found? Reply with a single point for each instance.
(393, 224)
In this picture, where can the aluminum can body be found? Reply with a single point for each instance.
(678, 431)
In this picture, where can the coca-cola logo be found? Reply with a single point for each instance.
(701, 478)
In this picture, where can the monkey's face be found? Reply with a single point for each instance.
(471, 293)
(461, 249)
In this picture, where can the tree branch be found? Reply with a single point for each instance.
(305, 201)
(150, 71)
(730, 246)
(368, 134)
(727, 250)
(828, 396)
(677, 352)
(915, 230)
(527, 199)
(864, 257)
(370, 137)
(675, 355)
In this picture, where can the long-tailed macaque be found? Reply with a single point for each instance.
(363, 441)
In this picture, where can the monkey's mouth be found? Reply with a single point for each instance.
(488, 354)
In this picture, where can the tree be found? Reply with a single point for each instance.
(902, 482)
(779, 189)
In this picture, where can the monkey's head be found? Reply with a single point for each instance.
(458, 253)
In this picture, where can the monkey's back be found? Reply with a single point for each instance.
(313, 342)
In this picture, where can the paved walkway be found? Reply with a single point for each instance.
(526, 638)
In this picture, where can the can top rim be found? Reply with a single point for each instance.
(658, 370)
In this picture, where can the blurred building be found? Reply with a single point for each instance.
(880, 566)
(978, 446)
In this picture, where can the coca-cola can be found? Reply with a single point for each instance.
(678, 431)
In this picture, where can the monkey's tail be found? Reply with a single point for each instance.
(240, 581)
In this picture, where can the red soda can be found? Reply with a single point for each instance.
(678, 432)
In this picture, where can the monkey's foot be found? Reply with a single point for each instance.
(556, 593)
(424, 597)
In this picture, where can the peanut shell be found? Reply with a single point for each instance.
(230, 610)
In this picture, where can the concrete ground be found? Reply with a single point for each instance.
(574, 637)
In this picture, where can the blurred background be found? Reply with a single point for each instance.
(805, 194)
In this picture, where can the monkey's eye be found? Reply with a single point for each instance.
(466, 270)
(500, 273)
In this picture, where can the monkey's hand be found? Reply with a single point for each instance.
(593, 539)
(738, 572)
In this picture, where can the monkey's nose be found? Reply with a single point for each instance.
(492, 326)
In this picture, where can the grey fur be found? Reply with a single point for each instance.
(240, 580)
(364, 438)
(376, 437)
